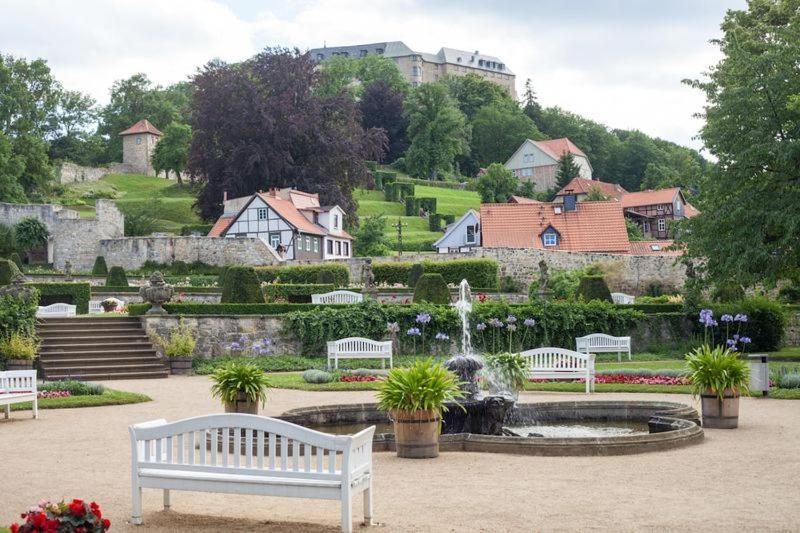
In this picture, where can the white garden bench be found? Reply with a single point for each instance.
(249, 454)
(359, 348)
(600, 342)
(57, 310)
(622, 298)
(558, 363)
(96, 306)
(17, 386)
(337, 297)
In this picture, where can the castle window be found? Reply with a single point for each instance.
(320, 57)
(138, 139)
(362, 53)
(379, 51)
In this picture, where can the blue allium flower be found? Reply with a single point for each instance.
(706, 314)
(731, 343)
(481, 326)
(235, 346)
(495, 322)
(423, 318)
(511, 319)
(736, 336)
(392, 327)
(512, 327)
(413, 332)
(745, 340)
(740, 318)
(529, 322)
(442, 337)
(726, 318)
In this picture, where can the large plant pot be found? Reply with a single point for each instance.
(720, 413)
(242, 405)
(180, 365)
(416, 434)
(19, 364)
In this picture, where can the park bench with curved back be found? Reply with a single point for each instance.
(558, 363)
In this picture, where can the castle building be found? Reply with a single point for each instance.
(138, 144)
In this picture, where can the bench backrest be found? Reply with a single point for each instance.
(337, 297)
(17, 381)
(360, 345)
(56, 310)
(556, 359)
(249, 444)
(622, 298)
(601, 340)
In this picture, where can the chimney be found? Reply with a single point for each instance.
(570, 201)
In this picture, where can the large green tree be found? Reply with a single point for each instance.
(437, 130)
(749, 229)
(497, 184)
(472, 92)
(497, 130)
(567, 169)
(353, 75)
(172, 151)
(530, 105)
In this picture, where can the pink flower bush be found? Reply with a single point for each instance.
(54, 394)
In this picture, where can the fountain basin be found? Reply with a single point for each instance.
(639, 427)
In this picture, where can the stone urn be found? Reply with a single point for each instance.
(157, 293)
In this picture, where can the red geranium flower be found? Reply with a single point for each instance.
(40, 520)
(77, 508)
(96, 510)
(14, 528)
(106, 523)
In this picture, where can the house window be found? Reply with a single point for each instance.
(335, 221)
(299, 243)
(262, 213)
(330, 247)
(527, 172)
(646, 226)
(338, 247)
(347, 249)
(308, 244)
(415, 71)
(362, 53)
(662, 224)
(138, 139)
(470, 234)
(316, 245)
(275, 240)
(379, 51)
(320, 57)
(550, 238)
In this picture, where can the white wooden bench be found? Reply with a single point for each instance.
(337, 297)
(17, 386)
(249, 454)
(600, 342)
(558, 363)
(57, 310)
(622, 298)
(359, 348)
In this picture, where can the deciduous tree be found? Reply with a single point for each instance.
(497, 130)
(172, 150)
(497, 184)
(382, 107)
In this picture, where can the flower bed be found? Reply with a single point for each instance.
(54, 394)
(77, 516)
(357, 379)
(628, 379)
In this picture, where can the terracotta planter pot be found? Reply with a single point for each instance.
(180, 365)
(720, 414)
(242, 405)
(416, 434)
(19, 364)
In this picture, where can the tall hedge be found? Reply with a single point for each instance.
(14, 258)
(594, 288)
(294, 292)
(7, 271)
(480, 273)
(414, 273)
(304, 273)
(241, 286)
(18, 315)
(100, 268)
(77, 294)
(431, 288)
(116, 277)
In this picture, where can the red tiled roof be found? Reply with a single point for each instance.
(649, 197)
(293, 216)
(583, 186)
(522, 200)
(593, 227)
(690, 210)
(653, 248)
(220, 226)
(143, 126)
(556, 148)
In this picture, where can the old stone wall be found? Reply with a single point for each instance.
(137, 152)
(72, 173)
(793, 328)
(132, 252)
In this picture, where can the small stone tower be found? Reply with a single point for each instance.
(138, 144)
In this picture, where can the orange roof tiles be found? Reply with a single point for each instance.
(583, 186)
(593, 227)
(653, 248)
(143, 126)
(690, 210)
(522, 200)
(650, 197)
(291, 214)
(556, 148)
(220, 226)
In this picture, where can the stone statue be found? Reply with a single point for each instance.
(67, 271)
(156, 294)
(368, 278)
(544, 277)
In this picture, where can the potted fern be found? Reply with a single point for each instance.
(241, 386)
(178, 348)
(415, 398)
(19, 351)
(719, 376)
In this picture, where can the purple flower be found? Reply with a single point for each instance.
(736, 336)
(423, 318)
(740, 318)
(413, 332)
(726, 318)
(392, 327)
(711, 323)
(481, 326)
(706, 315)
(731, 343)
(511, 319)
(512, 327)
(235, 346)
(442, 337)
(745, 340)
(243, 340)
(529, 322)
(495, 322)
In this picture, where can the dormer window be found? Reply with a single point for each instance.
(550, 237)
(335, 221)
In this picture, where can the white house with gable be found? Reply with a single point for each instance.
(462, 235)
(537, 161)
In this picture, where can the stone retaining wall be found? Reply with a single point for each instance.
(72, 173)
(793, 328)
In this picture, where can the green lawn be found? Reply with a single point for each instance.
(109, 397)
(450, 201)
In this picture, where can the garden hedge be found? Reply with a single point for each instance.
(76, 294)
(414, 273)
(17, 315)
(766, 323)
(7, 271)
(135, 290)
(295, 292)
(478, 272)
(593, 288)
(654, 308)
(241, 286)
(192, 308)
(100, 268)
(466, 186)
(431, 288)
(116, 277)
(14, 258)
(304, 273)
(180, 268)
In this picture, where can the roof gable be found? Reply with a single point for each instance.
(556, 148)
(470, 216)
(651, 197)
(143, 126)
(580, 185)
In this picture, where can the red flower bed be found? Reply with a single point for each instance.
(632, 380)
(54, 394)
(356, 379)
(76, 516)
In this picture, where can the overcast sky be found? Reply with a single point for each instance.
(619, 62)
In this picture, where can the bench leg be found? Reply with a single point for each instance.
(629, 355)
(36, 408)
(588, 385)
(347, 511)
(383, 364)
(136, 504)
(619, 357)
(8, 411)
(166, 500)
(368, 505)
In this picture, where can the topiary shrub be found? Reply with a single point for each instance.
(509, 284)
(728, 292)
(295, 293)
(789, 294)
(326, 277)
(14, 258)
(7, 271)
(317, 376)
(116, 277)
(432, 288)
(100, 268)
(593, 288)
(241, 286)
(414, 273)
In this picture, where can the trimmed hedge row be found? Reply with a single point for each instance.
(478, 272)
(304, 274)
(465, 186)
(18, 315)
(228, 309)
(654, 308)
(135, 290)
(76, 294)
(295, 292)
(396, 192)
(766, 323)
(414, 203)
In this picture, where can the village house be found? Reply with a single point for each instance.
(652, 210)
(537, 162)
(582, 188)
(292, 222)
(462, 235)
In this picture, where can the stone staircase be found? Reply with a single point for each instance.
(94, 349)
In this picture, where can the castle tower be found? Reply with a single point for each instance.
(138, 144)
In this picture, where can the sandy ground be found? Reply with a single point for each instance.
(746, 479)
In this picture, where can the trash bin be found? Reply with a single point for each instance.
(759, 373)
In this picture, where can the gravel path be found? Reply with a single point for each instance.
(747, 479)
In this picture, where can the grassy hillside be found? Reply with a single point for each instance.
(133, 192)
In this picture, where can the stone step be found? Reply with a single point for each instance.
(108, 353)
(72, 332)
(110, 357)
(54, 339)
(101, 376)
(88, 320)
(112, 348)
(91, 366)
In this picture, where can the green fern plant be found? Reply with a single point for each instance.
(716, 369)
(508, 369)
(239, 377)
(423, 386)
